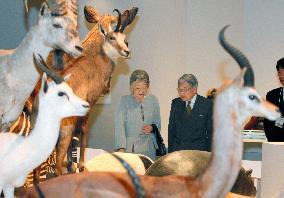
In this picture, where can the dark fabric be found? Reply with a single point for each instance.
(161, 150)
(273, 133)
(193, 132)
(188, 108)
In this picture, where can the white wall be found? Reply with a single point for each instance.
(169, 38)
(264, 40)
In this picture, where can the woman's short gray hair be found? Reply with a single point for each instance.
(190, 79)
(139, 75)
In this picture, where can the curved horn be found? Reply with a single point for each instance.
(57, 7)
(72, 7)
(239, 57)
(40, 63)
(118, 21)
(125, 22)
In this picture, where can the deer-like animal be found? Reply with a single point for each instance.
(92, 71)
(19, 154)
(233, 105)
(55, 30)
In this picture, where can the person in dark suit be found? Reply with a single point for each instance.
(190, 122)
(274, 129)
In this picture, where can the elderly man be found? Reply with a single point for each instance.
(190, 123)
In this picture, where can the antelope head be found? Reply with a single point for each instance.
(111, 28)
(68, 8)
(242, 91)
(58, 28)
(58, 95)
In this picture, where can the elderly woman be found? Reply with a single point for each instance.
(135, 117)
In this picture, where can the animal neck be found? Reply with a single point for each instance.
(227, 147)
(21, 61)
(92, 70)
(45, 133)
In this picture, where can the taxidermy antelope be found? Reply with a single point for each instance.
(18, 76)
(233, 105)
(91, 72)
(18, 154)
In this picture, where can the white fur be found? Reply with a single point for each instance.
(18, 75)
(19, 155)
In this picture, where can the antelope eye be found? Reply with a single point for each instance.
(56, 25)
(253, 97)
(61, 94)
(112, 38)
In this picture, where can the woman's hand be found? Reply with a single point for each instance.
(147, 129)
(121, 150)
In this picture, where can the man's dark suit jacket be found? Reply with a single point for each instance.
(192, 132)
(272, 132)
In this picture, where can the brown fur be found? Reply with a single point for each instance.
(89, 76)
(106, 184)
(100, 184)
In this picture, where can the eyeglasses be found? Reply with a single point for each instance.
(183, 90)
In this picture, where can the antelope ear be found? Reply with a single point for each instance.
(91, 14)
(44, 85)
(132, 13)
(44, 10)
(102, 30)
(239, 80)
(67, 77)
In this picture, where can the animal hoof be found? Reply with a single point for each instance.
(81, 167)
(71, 168)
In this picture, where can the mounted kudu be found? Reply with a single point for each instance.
(234, 103)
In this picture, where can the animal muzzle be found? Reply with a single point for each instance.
(86, 106)
(125, 53)
(270, 111)
(78, 50)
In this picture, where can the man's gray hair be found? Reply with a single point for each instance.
(190, 79)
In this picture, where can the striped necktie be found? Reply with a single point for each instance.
(188, 107)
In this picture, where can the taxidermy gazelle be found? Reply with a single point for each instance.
(233, 105)
(18, 75)
(92, 71)
(104, 44)
(19, 154)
